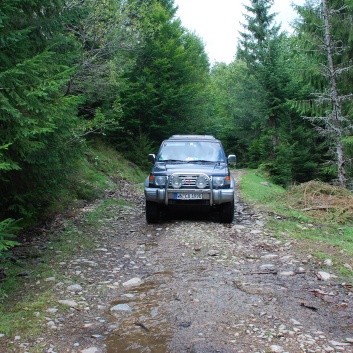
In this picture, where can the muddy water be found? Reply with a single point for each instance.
(145, 329)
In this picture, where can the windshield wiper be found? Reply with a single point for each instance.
(202, 161)
(171, 160)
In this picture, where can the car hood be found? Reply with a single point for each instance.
(190, 167)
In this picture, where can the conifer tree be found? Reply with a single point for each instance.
(260, 48)
(321, 24)
(36, 117)
(164, 91)
(270, 62)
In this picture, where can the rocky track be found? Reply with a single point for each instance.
(190, 285)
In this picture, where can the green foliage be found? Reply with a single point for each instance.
(329, 106)
(139, 149)
(36, 117)
(251, 107)
(164, 93)
(8, 230)
(236, 112)
(104, 35)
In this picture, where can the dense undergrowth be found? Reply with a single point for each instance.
(94, 172)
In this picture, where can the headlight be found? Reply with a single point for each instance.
(176, 182)
(201, 182)
(159, 180)
(219, 182)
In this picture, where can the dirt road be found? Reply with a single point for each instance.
(190, 284)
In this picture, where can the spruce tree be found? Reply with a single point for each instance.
(164, 90)
(36, 117)
(270, 61)
(326, 39)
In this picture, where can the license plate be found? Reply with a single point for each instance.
(187, 196)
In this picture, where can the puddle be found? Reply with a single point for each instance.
(137, 342)
(144, 329)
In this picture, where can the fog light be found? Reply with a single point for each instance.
(176, 182)
(201, 182)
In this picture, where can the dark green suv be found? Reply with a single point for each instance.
(190, 171)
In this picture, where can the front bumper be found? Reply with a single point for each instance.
(169, 196)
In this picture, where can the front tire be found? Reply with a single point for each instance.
(152, 212)
(227, 212)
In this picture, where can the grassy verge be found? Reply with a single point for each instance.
(99, 169)
(316, 214)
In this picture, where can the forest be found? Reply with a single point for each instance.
(128, 73)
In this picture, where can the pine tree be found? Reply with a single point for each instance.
(164, 91)
(36, 117)
(272, 63)
(326, 53)
(260, 47)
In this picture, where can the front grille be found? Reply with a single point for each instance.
(189, 181)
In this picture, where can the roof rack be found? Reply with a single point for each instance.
(192, 137)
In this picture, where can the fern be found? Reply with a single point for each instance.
(8, 230)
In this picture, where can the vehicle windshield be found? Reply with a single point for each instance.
(191, 151)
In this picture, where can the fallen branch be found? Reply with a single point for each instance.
(309, 307)
(142, 326)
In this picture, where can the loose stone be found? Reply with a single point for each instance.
(339, 344)
(269, 256)
(328, 262)
(324, 276)
(276, 349)
(74, 288)
(70, 303)
(287, 273)
(91, 350)
(52, 310)
(121, 307)
(267, 267)
(132, 282)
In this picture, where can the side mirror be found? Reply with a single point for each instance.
(232, 159)
(152, 158)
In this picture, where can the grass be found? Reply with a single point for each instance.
(106, 209)
(100, 168)
(23, 311)
(24, 299)
(112, 164)
(326, 232)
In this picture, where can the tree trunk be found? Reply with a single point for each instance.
(340, 159)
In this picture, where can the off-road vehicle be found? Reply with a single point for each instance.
(190, 171)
